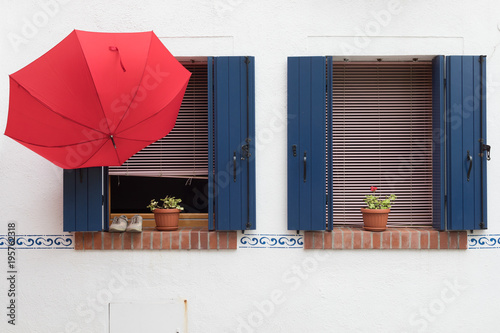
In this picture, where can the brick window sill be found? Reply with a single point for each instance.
(187, 238)
(392, 238)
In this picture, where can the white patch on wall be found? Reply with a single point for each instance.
(271, 241)
(383, 45)
(199, 46)
(38, 242)
(150, 317)
(488, 241)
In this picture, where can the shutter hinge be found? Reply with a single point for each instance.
(481, 59)
(247, 60)
(245, 149)
(248, 225)
(102, 203)
(481, 225)
(485, 148)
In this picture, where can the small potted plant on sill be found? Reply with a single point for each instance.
(167, 214)
(376, 213)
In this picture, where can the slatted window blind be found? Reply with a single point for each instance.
(382, 136)
(183, 153)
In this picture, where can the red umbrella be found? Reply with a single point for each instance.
(95, 99)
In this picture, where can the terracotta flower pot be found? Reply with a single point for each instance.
(375, 219)
(166, 219)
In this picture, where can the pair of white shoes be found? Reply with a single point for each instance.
(121, 224)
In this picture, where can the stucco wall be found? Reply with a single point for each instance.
(249, 290)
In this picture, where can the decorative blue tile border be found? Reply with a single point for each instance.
(271, 241)
(37, 242)
(488, 241)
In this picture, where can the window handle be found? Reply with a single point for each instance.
(305, 166)
(234, 166)
(469, 158)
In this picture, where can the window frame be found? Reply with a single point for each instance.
(240, 70)
(305, 72)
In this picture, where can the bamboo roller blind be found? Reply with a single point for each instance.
(183, 153)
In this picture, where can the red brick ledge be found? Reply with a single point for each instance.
(182, 239)
(392, 238)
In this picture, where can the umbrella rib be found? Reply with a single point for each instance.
(59, 146)
(95, 88)
(137, 90)
(138, 140)
(59, 114)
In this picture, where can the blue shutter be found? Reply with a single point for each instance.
(306, 143)
(211, 143)
(231, 136)
(84, 206)
(438, 144)
(466, 132)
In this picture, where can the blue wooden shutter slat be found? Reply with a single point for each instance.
(82, 212)
(293, 141)
(483, 189)
(468, 143)
(478, 67)
(222, 144)
(250, 78)
(306, 131)
(235, 191)
(69, 200)
(304, 148)
(105, 198)
(237, 133)
(83, 199)
(318, 158)
(329, 112)
(466, 202)
(438, 144)
(95, 199)
(211, 108)
(455, 160)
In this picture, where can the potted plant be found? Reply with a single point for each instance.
(376, 213)
(167, 214)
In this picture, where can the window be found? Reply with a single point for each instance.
(382, 136)
(344, 133)
(177, 163)
(229, 145)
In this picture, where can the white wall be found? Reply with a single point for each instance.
(362, 291)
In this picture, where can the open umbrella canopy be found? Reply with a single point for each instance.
(95, 99)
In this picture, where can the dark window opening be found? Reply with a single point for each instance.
(130, 194)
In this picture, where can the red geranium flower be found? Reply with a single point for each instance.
(373, 188)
